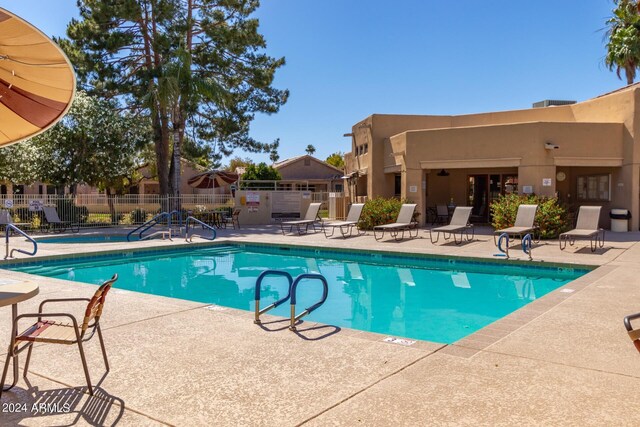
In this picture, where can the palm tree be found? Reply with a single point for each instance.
(310, 149)
(623, 47)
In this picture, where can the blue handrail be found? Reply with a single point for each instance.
(147, 225)
(186, 233)
(526, 245)
(175, 212)
(294, 286)
(505, 251)
(10, 227)
(261, 277)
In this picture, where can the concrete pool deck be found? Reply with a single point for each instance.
(563, 360)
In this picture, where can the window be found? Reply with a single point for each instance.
(307, 162)
(594, 187)
(366, 148)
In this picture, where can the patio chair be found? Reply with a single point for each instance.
(403, 223)
(5, 219)
(586, 228)
(47, 330)
(55, 223)
(310, 219)
(442, 214)
(634, 334)
(459, 224)
(346, 227)
(233, 219)
(525, 218)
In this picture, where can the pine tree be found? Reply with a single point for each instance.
(194, 66)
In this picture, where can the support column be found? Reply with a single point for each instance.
(412, 190)
(635, 198)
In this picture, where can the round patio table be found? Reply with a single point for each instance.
(12, 292)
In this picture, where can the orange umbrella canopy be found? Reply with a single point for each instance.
(37, 82)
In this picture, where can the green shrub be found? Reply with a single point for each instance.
(22, 215)
(138, 216)
(379, 211)
(551, 217)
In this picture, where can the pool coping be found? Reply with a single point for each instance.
(465, 347)
(533, 264)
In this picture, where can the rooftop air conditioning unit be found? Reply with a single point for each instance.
(551, 103)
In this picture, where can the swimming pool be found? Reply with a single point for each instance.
(433, 299)
(88, 238)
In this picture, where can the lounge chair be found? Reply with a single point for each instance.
(586, 228)
(525, 219)
(63, 331)
(310, 219)
(54, 221)
(403, 223)
(5, 219)
(459, 224)
(346, 226)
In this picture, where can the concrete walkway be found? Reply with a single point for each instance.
(564, 359)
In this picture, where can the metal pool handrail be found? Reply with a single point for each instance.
(526, 245)
(147, 225)
(8, 254)
(188, 238)
(294, 286)
(261, 277)
(505, 251)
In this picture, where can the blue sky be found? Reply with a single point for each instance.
(348, 59)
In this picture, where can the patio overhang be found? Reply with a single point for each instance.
(471, 163)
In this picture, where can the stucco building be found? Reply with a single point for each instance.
(586, 153)
(309, 172)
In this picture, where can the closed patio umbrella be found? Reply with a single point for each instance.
(37, 82)
(213, 179)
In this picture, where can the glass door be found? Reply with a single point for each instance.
(477, 190)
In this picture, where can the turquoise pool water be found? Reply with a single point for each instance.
(440, 300)
(91, 238)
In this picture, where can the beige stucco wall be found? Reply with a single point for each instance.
(599, 134)
(262, 215)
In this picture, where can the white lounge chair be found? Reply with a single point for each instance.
(310, 219)
(403, 223)
(54, 221)
(525, 219)
(459, 224)
(346, 226)
(586, 228)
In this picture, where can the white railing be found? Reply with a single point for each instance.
(99, 210)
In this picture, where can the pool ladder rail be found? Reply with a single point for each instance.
(155, 221)
(189, 238)
(291, 295)
(527, 243)
(9, 254)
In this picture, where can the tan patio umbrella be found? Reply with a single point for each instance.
(37, 82)
(213, 179)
